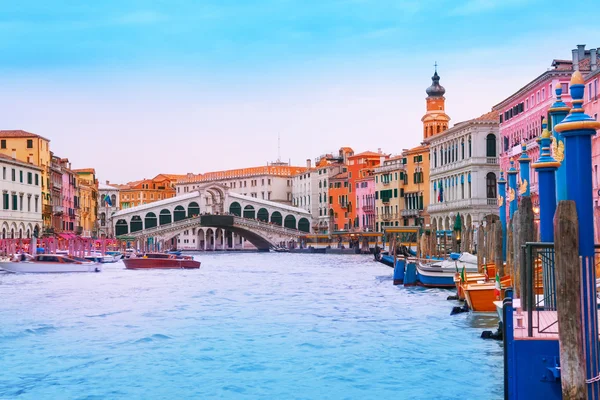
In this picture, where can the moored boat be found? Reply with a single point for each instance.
(49, 263)
(161, 261)
(441, 273)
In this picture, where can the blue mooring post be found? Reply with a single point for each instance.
(558, 111)
(546, 167)
(399, 271)
(512, 188)
(577, 129)
(502, 211)
(524, 162)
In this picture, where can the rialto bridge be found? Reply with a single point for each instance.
(214, 218)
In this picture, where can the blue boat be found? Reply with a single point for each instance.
(440, 274)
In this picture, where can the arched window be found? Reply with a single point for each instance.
(439, 128)
(490, 145)
(113, 200)
(462, 148)
(435, 158)
(490, 179)
(469, 146)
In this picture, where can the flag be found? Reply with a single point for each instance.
(107, 200)
(497, 287)
(485, 271)
(441, 195)
(462, 275)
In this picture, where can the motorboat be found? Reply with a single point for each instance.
(98, 257)
(117, 255)
(441, 273)
(160, 261)
(49, 263)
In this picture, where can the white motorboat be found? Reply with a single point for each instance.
(50, 263)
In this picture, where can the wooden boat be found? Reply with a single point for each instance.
(161, 261)
(441, 273)
(49, 263)
(480, 296)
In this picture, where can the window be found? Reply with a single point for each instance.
(15, 202)
(5, 200)
(3, 144)
(491, 185)
(30, 143)
(491, 145)
(21, 176)
(3, 172)
(29, 178)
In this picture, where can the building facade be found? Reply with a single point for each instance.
(88, 202)
(388, 199)
(591, 106)
(32, 149)
(327, 166)
(365, 201)
(21, 206)
(304, 193)
(108, 200)
(145, 191)
(360, 165)
(521, 113)
(271, 182)
(464, 170)
(69, 196)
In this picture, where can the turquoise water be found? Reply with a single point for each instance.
(244, 326)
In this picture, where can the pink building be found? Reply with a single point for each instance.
(591, 106)
(69, 191)
(365, 203)
(521, 114)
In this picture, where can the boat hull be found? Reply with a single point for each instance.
(48, 268)
(160, 263)
(480, 297)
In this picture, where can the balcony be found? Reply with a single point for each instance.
(344, 205)
(57, 210)
(368, 209)
(457, 205)
(385, 183)
(389, 216)
(410, 213)
(453, 166)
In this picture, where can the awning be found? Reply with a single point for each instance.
(67, 236)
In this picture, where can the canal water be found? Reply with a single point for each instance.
(244, 326)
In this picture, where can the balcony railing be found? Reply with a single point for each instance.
(389, 216)
(58, 210)
(461, 204)
(410, 213)
(440, 169)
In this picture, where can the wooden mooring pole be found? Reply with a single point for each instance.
(526, 234)
(499, 259)
(568, 299)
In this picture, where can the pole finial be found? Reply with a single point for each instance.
(435, 66)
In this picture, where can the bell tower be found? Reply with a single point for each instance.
(435, 119)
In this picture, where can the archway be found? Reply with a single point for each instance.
(178, 214)
(136, 224)
(263, 215)
(164, 217)
(235, 209)
(304, 225)
(276, 218)
(290, 222)
(201, 239)
(121, 227)
(249, 212)
(150, 220)
(193, 209)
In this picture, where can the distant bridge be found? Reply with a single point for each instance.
(263, 223)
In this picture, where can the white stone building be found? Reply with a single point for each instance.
(106, 209)
(464, 170)
(21, 203)
(271, 182)
(304, 190)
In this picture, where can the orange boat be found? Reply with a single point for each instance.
(480, 296)
(161, 261)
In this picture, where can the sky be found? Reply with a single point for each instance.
(134, 88)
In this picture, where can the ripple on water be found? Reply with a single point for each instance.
(250, 326)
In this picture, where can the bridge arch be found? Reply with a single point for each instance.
(136, 224)
(249, 212)
(263, 215)
(178, 214)
(290, 222)
(121, 227)
(150, 220)
(193, 209)
(304, 225)
(165, 217)
(235, 208)
(276, 218)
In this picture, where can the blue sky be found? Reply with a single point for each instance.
(134, 88)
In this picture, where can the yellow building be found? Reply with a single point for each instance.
(389, 200)
(33, 149)
(87, 202)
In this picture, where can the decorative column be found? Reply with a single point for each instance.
(546, 167)
(577, 130)
(512, 188)
(524, 162)
(558, 111)
(502, 211)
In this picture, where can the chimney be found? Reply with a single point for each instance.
(108, 182)
(14, 154)
(308, 163)
(581, 51)
(594, 59)
(379, 150)
(575, 60)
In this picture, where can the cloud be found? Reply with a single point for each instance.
(140, 18)
(471, 7)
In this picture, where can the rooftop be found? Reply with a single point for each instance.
(11, 160)
(18, 133)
